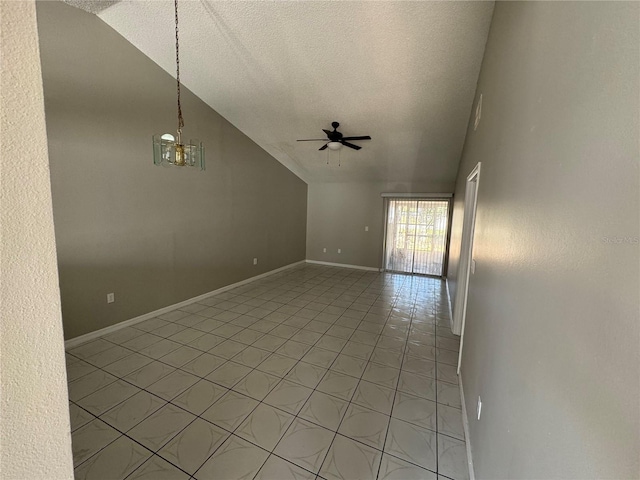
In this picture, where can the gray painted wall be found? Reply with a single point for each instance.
(552, 333)
(154, 236)
(338, 212)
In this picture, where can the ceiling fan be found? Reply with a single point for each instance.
(336, 140)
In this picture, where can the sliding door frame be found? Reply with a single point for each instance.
(445, 197)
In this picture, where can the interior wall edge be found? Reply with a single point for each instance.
(74, 342)
(344, 265)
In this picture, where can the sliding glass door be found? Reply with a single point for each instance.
(416, 239)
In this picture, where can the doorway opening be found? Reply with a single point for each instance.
(416, 235)
(466, 256)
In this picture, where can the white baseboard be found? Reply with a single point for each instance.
(465, 426)
(344, 265)
(74, 342)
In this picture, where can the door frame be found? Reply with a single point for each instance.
(466, 255)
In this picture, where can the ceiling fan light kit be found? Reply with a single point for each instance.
(172, 151)
(336, 139)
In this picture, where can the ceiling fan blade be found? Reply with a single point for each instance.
(364, 137)
(324, 146)
(313, 140)
(328, 132)
(351, 145)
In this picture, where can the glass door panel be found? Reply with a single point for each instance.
(416, 236)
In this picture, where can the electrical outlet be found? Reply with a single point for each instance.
(366, 229)
(255, 261)
(111, 297)
(479, 409)
(324, 250)
(339, 250)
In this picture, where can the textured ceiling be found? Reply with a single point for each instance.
(403, 72)
(92, 6)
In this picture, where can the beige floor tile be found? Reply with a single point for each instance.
(203, 365)
(450, 422)
(324, 410)
(173, 384)
(365, 426)
(102, 400)
(230, 410)
(452, 458)
(393, 468)
(417, 385)
(79, 416)
(193, 445)
(199, 397)
(235, 459)
(288, 396)
(117, 460)
(157, 468)
(348, 459)
(251, 357)
(360, 335)
(347, 365)
(90, 438)
(275, 468)
(132, 411)
(277, 365)
(89, 383)
(374, 397)
(411, 443)
(306, 374)
(160, 427)
(150, 373)
(305, 444)
(338, 385)
(256, 384)
(265, 426)
(228, 374)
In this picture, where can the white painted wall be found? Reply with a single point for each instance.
(34, 423)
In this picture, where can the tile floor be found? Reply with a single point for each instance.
(314, 372)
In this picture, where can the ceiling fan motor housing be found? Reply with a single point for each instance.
(336, 139)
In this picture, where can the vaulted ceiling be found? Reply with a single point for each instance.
(403, 72)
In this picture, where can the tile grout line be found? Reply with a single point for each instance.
(395, 393)
(298, 328)
(172, 437)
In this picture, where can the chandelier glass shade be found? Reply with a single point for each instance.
(171, 151)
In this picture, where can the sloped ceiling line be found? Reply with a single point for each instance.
(403, 72)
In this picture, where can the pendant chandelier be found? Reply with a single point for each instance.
(169, 150)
